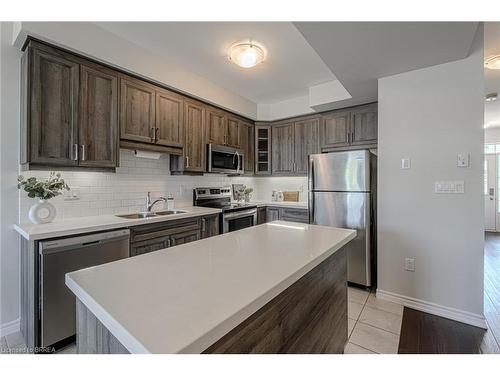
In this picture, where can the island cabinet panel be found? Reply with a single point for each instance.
(282, 149)
(209, 226)
(137, 111)
(309, 317)
(98, 126)
(169, 129)
(247, 144)
(305, 143)
(364, 125)
(216, 126)
(194, 149)
(334, 129)
(52, 106)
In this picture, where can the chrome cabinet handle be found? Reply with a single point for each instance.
(203, 225)
(187, 161)
(152, 134)
(84, 153)
(157, 130)
(75, 151)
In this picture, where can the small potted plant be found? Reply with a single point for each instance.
(248, 193)
(42, 211)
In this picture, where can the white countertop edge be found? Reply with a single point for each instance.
(119, 223)
(125, 338)
(212, 336)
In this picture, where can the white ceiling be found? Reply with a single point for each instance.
(292, 65)
(361, 52)
(492, 77)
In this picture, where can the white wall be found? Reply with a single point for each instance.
(430, 115)
(9, 138)
(492, 135)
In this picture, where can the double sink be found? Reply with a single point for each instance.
(144, 215)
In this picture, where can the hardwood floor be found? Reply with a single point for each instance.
(423, 333)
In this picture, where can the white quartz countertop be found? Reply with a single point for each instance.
(302, 205)
(87, 224)
(185, 298)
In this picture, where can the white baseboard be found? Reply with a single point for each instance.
(10, 327)
(433, 308)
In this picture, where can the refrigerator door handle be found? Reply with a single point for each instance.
(311, 188)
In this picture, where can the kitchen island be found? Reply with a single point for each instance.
(279, 287)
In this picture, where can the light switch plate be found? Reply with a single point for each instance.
(410, 264)
(463, 160)
(449, 187)
(405, 164)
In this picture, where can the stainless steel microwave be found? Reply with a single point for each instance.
(222, 159)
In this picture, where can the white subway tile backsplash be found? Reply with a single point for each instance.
(103, 193)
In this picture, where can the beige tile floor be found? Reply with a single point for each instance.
(374, 325)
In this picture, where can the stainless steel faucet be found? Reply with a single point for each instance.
(149, 204)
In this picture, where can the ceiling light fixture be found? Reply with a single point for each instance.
(492, 62)
(247, 54)
(491, 97)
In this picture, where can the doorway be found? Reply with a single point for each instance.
(491, 186)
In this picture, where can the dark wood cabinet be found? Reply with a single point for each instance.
(282, 148)
(98, 125)
(184, 237)
(194, 146)
(334, 129)
(349, 128)
(247, 144)
(52, 82)
(272, 214)
(215, 126)
(209, 226)
(169, 130)
(148, 246)
(233, 127)
(261, 215)
(305, 143)
(298, 215)
(263, 157)
(137, 111)
(364, 125)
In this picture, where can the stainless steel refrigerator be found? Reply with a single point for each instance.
(342, 187)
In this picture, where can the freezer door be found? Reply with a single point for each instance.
(347, 210)
(340, 171)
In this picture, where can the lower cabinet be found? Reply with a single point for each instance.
(298, 215)
(261, 215)
(209, 226)
(152, 237)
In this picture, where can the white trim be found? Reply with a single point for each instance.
(476, 320)
(10, 327)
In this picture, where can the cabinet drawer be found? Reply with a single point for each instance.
(295, 214)
(150, 231)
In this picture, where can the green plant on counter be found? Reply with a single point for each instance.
(42, 189)
(248, 190)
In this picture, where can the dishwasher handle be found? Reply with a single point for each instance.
(78, 242)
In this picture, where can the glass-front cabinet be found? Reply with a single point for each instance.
(262, 149)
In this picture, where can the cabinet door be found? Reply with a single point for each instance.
(247, 144)
(306, 143)
(137, 111)
(233, 129)
(216, 126)
(144, 247)
(98, 127)
(209, 226)
(169, 119)
(261, 215)
(334, 130)
(194, 126)
(184, 237)
(54, 83)
(295, 214)
(283, 153)
(364, 125)
(272, 213)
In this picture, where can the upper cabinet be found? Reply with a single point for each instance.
(137, 111)
(98, 125)
(69, 111)
(283, 148)
(222, 128)
(349, 128)
(305, 143)
(169, 119)
(262, 149)
(247, 144)
(194, 150)
(233, 126)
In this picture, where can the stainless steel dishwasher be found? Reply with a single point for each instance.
(57, 258)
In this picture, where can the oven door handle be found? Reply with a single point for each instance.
(237, 214)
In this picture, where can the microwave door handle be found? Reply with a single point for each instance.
(238, 167)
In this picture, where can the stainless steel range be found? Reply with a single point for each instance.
(234, 216)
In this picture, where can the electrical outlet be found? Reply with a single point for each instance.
(73, 194)
(410, 264)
